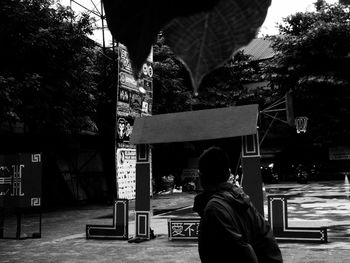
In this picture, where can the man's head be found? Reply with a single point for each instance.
(213, 167)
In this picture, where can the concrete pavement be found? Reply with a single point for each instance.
(63, 233)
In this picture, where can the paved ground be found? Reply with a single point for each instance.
(63, 233)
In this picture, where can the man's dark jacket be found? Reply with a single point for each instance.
(231, 229)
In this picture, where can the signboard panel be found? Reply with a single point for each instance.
(124, 60)
(20, 180)
(339, 153)
(183, 228)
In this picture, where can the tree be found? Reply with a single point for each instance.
(227, 85)
(171, 85)
(57, 83)
(344, 2)
(312, 59)
(46, 68)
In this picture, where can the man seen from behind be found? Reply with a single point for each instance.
(231, 229)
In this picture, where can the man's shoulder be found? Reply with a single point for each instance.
(217, 203)
(234, 199)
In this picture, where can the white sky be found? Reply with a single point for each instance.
(278, 10)
(94, 8)
(283, 8)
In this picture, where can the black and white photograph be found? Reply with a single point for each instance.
(175, 131)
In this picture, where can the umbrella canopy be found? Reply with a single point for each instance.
(196, 125)
(202, 34)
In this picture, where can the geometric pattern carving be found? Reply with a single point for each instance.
(36, 201)
(142, 153)
(20, 180)
(250, 146)
(119, 228)
(36, 158)
(278, 218)
(142, 225)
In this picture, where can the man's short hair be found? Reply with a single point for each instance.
(213, 166)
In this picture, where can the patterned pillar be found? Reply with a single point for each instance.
(131, 103)
(142, 203)
(252, 181)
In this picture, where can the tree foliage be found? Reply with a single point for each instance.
(171, 86)
(312, 59)
(229, 85)
(46, 67)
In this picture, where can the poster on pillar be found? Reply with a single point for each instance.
(124, 129)
(126, 173)
(134, 99)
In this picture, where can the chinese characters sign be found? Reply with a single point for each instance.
(20, 180)
(183, 228)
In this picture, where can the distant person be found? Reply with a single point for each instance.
(231, 229)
